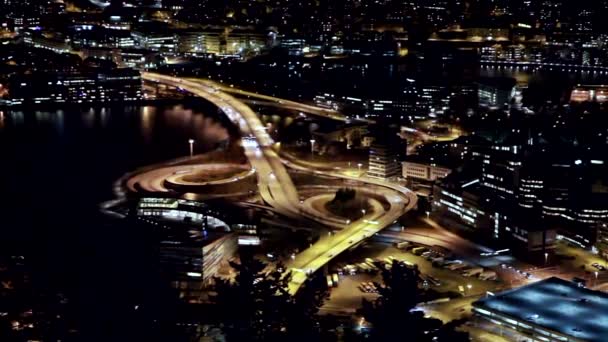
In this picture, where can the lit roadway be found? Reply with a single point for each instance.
(277, 189)
(274, 183)
(287, 104)
(400, 199)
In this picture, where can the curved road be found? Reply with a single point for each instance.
(277, 189)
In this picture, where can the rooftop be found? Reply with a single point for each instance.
(557, 305)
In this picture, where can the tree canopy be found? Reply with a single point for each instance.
(256, 305)
(393, 313)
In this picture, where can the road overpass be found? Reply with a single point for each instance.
(279, 102)
(274, 184)
(277, 189)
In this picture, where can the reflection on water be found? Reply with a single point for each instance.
(147, 122)
(57, 167)
(524, 75)
(151, 121)
(96, 146)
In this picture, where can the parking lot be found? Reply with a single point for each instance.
(347, 295)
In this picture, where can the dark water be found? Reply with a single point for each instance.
(56, 167)
(69, 158)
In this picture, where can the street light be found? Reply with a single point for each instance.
(363, 211)
(546, 257)
(312, 146)
(191, 142)
(359, 165)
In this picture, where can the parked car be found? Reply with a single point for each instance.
(419, 250)
(488, 275)
(472, 271)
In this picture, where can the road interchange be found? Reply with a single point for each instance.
(277, 189)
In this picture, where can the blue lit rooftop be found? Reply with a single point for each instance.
(554, 304)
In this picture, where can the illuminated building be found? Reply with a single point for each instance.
(369, 107)
(99, 37)
(221, 41)
(193, 42)
(19, 23)
(386, 153)
(496, 92)
(589, 93)
(156, 39)
(240, 41)
(55, 44)
(196, 240)
(383, 161)
(567, 194)
(94, 87)
(549, 310)
(601, 243)
(424, 171)
(467, 205)
(294, 46)
(211, 41)
(461, 203)
(500, 169)
(488, 34)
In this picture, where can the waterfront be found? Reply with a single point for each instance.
(57, 167)
(544, 84)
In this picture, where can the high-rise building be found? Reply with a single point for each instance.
(384, 159)
(500, 170)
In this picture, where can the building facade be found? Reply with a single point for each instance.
(383, 161)
(118, 85)
(424, 171)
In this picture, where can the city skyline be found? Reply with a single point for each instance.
(313, 170)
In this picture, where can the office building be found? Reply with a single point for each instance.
(526, 232)
(208, 41)
(500, 167)
(424, 171)
(459, 202)
(105, 86)
(149, 36)
(465, 204)
(239, 42)
(386, 153)
(56, 44)
(383, 161)
(196, 241)
(496, 92)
